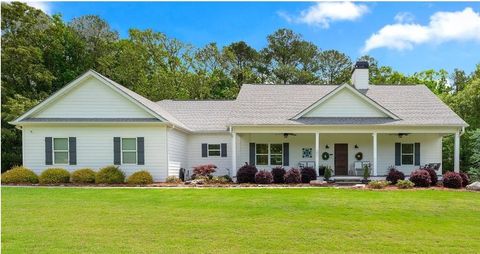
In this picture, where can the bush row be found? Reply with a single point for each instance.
(106, 175)
(250, 174)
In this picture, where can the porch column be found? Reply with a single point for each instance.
(234, 154)
(456, 153)
(317, 150)
(374, 154)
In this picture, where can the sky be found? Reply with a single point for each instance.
(409, 36)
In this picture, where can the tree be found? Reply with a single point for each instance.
(460, 79)
(335, 67)
(243, 61)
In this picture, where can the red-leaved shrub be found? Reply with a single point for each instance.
(465, 179)
(263, 177)
(308, 174)
(246, 174)
(433, 175)
(293, 176)
(394, 175)
(452, 180)
(204, 170)
(421, 178)
(278, 174)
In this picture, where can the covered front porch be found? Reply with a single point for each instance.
(344, 152)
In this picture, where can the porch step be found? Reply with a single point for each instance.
(348, 180)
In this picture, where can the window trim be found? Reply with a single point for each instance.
(122, 150)
(219, 150)
(54, 150)
(412, 154)
(269, 154)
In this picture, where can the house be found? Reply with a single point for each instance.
(94, 122)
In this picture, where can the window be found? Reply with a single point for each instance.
(407, 154)
(266, 153)
(213, 150)
(60, 150)
(129, 151)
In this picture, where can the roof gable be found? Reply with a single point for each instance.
(91, 95)
(345, 101)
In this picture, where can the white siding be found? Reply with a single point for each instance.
(177, 151)
(95, 147)
(345, 104)
(430, 148)
(195, 151)
(93, 99)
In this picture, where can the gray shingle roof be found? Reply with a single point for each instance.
(88, 120)
(200, 115)
(277, 104)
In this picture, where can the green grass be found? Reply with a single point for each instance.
(69, 220)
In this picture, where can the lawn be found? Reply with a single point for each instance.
(71, 220)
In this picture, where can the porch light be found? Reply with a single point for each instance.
(326, 147)
(356, 146)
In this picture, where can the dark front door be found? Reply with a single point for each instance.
(341, 159)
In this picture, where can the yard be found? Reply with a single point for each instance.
(76, 220)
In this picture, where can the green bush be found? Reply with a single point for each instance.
(405, 184)
(54, 176)
(84, 175)
(110, 175)
(19, 174)
(140, 177)
(173, 179)
(378, 184)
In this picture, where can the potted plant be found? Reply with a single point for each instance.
(366, 174)
(327, 174)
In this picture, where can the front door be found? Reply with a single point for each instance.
(341, 159)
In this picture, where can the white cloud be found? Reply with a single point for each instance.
(322, 14)
(443, 26)
(404, 17)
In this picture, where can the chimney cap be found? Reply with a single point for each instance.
(361, 65)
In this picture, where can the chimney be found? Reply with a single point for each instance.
(360, 77)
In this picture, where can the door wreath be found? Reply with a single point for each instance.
(325, 156)
(359, 156)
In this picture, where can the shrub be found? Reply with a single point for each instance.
(452, 180)
(54, 176)
(293, 176)
(474, 174)
(378, 184)
(465, 179)
(140, 178)
(328, 173)
(263, 177)
(173, 179)
(278, 174)
(227, 178)
(421, 178)
(219, 179)
(204, 170)
(84, 175)
(110, 175)
(405, 184)
(366, 172)
(246, 174)
(19, 174)
(433, 175)
(394, 175)
(308, 174)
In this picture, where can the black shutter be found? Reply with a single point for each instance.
(116, 151)
(204, 150)
(48, 151)
(72, 150)
(140, 151)
(286, 154)
(398, 148)
(223, 149)
(417, 154)
(252, 153)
